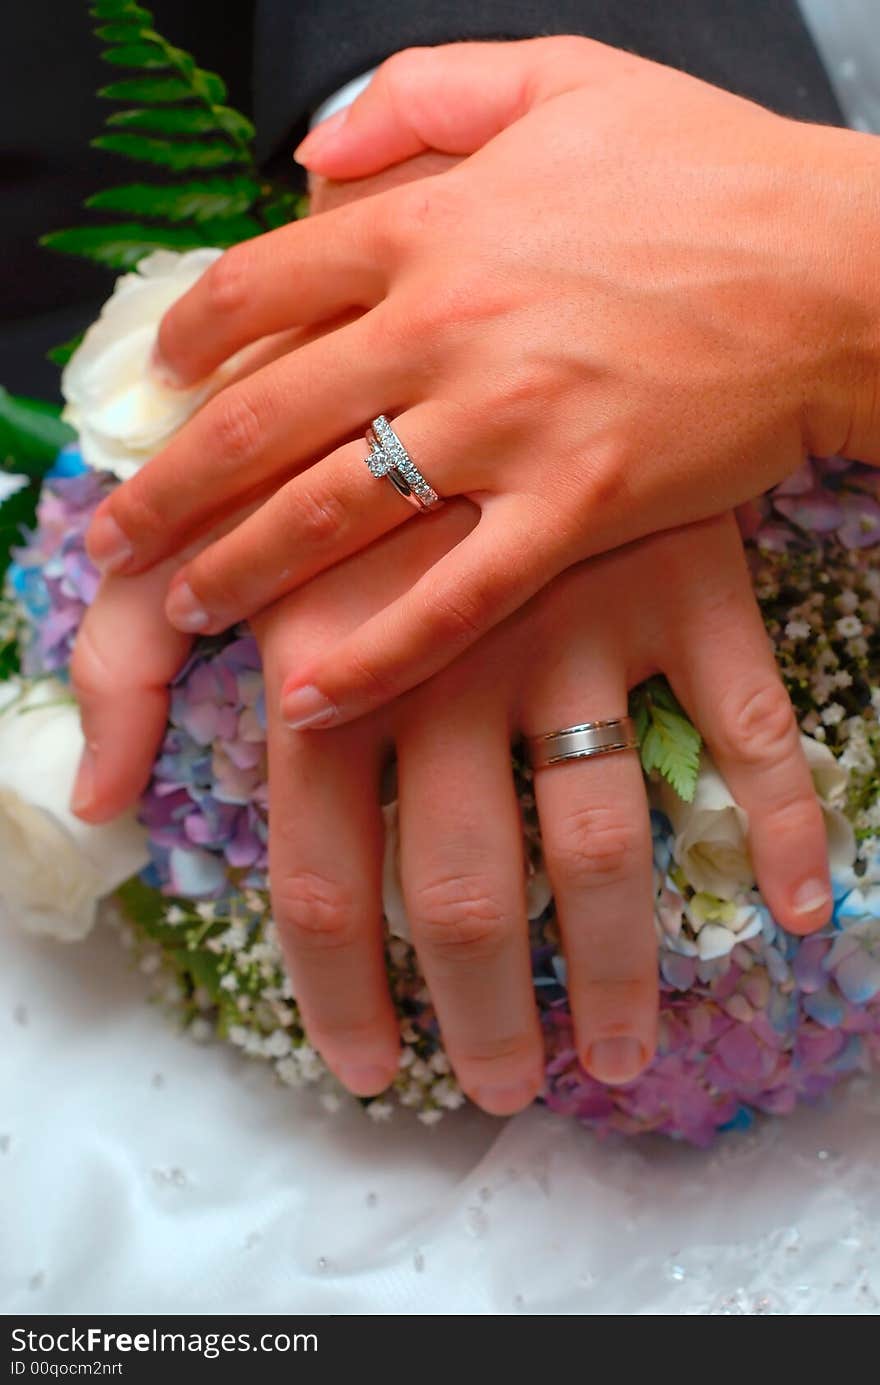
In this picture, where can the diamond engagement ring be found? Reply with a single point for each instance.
(388, 457)
(582, 742)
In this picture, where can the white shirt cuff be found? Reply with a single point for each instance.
(342, 98)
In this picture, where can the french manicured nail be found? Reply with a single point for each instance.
(109, 548)
(184, 609)
(365, 1079)
(505, 1100)
(162, 372)
(307, 707)
(616, 1060)
(83, 793)
(320, 139)
(810, 897)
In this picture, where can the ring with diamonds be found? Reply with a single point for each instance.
(388, 457)
(582, 742)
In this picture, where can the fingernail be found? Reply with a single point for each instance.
(366, 1079)
(616, 1060)
(83, 794)
(810, 897)
(307, 707)
(184, 610)
(162, 372)
(109, 548)
(505, 1100)
(320, 138)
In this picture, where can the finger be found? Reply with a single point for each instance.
(246, 439)
(325, 864)
(486, 577)
(597, 846)
(125, 656)
(454, 98)
(464, 886)
(329, 512)
(724, 673)
(298, 275)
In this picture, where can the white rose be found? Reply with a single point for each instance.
(54, 867)
(711, 832)
(538, 891)
(123, 415)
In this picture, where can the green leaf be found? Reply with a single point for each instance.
(174, 154)
(167, 120)
(669, 743)
(161, 89)
(31, 434)
(136, 55)
(124, 10)
(184, 62)
(123, 33)
(284, 207)
(122, 246)
(209, 87)
(226, 231)
(17, 513)
(203, 200)
(234, 124)
(62, 353)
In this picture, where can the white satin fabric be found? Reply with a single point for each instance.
(141, 1172)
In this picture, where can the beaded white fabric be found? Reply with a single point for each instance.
(143, 1172)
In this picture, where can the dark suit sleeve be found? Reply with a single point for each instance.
(307, 49)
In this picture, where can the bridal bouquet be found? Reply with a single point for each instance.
(752, 1019)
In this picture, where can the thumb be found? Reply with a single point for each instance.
(453, 98)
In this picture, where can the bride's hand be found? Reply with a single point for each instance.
(680, 603)
(620, 313)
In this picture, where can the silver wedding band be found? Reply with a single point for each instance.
(582, 742)
(388, 458)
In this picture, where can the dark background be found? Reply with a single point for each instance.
(302, 50)
(49, 73)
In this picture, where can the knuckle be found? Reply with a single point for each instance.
(226, 282)
(235, 428)
(794, 819)
(219, 582)
(380, 686)
(596, 845)
(459, 618)
(404, 71)
(757, 722)
(88, 668)
(490, 1052)
(138, 506)
(459, 917)
(315, 913)
(320, 516)
(411, 209)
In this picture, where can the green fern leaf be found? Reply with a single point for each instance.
(145, 55)
(209, 87)
(123, 33)
(166, 120)
(285, 206)
(669, 743)
(123, 10)
(175, 154)
(224, 231)
(161, 89)
(234, 124)
(122, 246)
(61, 354)
(202, 200)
